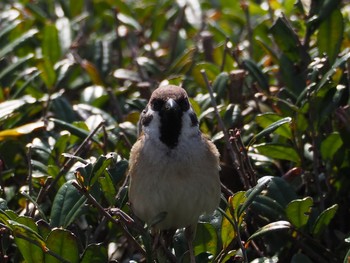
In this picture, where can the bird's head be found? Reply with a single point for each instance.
(167, 115)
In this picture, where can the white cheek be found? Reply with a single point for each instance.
(152, 129)
(188, 130)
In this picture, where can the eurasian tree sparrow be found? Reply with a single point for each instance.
(173, 168)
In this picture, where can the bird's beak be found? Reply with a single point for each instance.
(171, 105)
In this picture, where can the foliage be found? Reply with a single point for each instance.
(74, 76)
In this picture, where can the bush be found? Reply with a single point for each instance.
(75, 75)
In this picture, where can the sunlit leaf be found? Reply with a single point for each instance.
(271, 128)
(193, 11)
(331, 145)
(128, 20)
(17, 42)
(270, 228)
(21, 130)
(278, 151)
(298, 211)
(324, 219)
(206, 239)
(272, 122)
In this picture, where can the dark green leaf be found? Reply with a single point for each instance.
(220, 84)
(67, 205)
(95, 253)
(29, 242)
(11, 69)
(17, 42)
(330, 35)
(286, 39)
(257, 74)
(62, 243)
(252, 193)
(300, 258)
(267, 207)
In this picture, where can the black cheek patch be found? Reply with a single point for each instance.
(193, 118)
(146, 119)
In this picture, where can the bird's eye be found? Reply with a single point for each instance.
(184, 104)
(157, 104)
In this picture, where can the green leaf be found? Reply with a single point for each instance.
(182, 63)
(228, 231)
(339, 62)
(193, 12)
(278, 151)
(272, 227)
(298, 211)
(48, 73)
(128, 20)
(99, 167)
(67, 205)
(293, 77)
(220, 84)
(324, 219)
(286, 39)
(79, 132)
(347, 257)
(252, 193)
(270, 128)
(206, 239)
(108, 188)
(331, 145)
(271, 122)
(63, 243)
(280, 191)
(64, 34)
(29, 242)
(95, 253)
(50, 44)
(17, 42)
(257, 74)
(11, 69)
(267, 207)
(300, 258)
(330, 35)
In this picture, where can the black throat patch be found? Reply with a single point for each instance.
(170, 127)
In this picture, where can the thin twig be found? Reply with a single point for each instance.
(29, 179)
(68, 163)
(226, 51)
(122, 215)
(223, 129)
(245, 8)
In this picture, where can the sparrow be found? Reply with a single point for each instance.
(173, 167)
